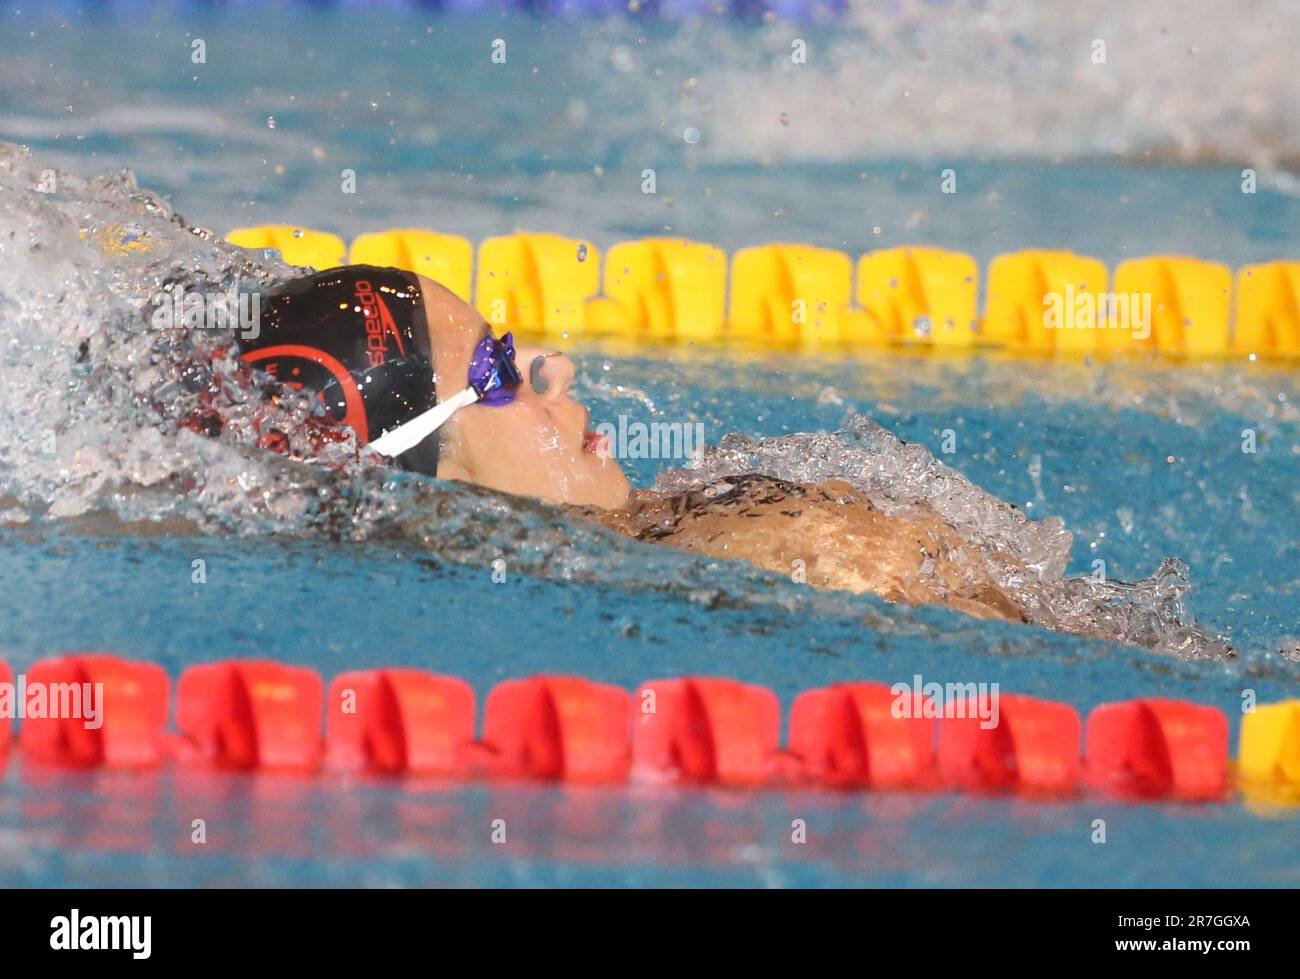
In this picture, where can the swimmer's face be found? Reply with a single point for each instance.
(535, 446)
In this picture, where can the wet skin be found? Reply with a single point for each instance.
(535, 446)
(829, 534)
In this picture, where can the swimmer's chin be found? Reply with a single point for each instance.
(611, 491)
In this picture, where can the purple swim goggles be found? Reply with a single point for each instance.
(494, 379)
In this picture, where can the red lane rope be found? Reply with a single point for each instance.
(100, 710)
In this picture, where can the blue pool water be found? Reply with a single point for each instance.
(1140, 461)
(339, 607)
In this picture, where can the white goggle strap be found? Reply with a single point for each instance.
(408, 435)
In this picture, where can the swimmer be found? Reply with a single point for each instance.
(421, 378)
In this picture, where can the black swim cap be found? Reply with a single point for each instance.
(357, 337)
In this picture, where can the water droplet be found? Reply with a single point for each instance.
(270, 122)
(621, 59)
(785, 118)
(582, 252)
(691, 135)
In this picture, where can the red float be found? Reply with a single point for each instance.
(1031, 745)
(1158, 747)
(399, 720)
(100, 710)
(847, 735)
(707, 730)
(250, 714)
(558, 727)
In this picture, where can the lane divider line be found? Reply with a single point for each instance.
(790, 295)
(98, 710)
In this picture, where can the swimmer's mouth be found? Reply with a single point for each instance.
(593, 442)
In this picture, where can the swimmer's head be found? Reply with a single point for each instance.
(418, 375)
(539, 444)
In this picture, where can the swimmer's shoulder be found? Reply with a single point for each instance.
(654, 514)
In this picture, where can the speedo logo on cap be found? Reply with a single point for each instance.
(379, 324)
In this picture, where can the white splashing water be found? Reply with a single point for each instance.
(899, 477)
(1191, 81)
(104, 414)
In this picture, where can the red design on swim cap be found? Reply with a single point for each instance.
(355, 414)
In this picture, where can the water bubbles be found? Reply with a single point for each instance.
(621, 59)
(1125, 515)
(582, 252)
(270, 122)
(691, 135)
(195, 376)
(901, 477)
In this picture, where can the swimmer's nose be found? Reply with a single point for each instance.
(549, 374)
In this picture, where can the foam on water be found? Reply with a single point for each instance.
(846, 149)
(1193, 81)
(1000, 79)
(900, 477)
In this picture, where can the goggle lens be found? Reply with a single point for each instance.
(493, 373)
